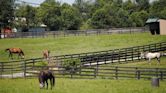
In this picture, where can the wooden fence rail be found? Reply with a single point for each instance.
(104, 72)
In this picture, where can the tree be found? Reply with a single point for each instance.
(100, 19)
(157, 9)
(28, 13)
(71, 19)
(49, 14)
(7, 11)
(143, 4)
(139, 18)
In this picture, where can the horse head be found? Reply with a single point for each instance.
(22, 55)
(142, 55)
(41, 81)
(7, 49)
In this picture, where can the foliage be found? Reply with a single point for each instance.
(100, 19)
(29, 13)
(93, 14)
(7, 12)
(70, 17)
(71, 64)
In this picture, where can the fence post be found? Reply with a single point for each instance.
(71, 72)
(137, 74)
(95, 72)
(119, 54)
(2, 65)
(33, 61)
(155, 47)
(138, 49)
(116, 72)
(54, 34)
(149, 48)
(24, 63)
(125, 54)
(132, 54)
(80, 69)
(156, 72)
(112, 56)
(12, 70)
(161, 75)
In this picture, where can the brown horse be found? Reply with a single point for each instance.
(43, 77)
(46, 54)
(15, 51)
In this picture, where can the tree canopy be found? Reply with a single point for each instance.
(7, 11)
(83, 14)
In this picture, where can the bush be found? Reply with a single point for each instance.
(71, 64)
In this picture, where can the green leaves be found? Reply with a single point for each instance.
(100, 19)
(7, 11)
(88, 14)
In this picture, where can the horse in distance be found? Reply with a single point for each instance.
(149, 56)
(43, 77)
(46, 54)
(12, 51)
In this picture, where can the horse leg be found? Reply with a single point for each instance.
(18, 56)
(149, 61)
(51, 82)
(46, 84)
(158, 59)
(10, 55)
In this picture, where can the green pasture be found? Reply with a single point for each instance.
(81, 86)
(76, 44)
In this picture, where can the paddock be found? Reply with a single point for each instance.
(104, 71)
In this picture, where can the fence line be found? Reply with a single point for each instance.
(20, 68)
(104, 72)
(54, 34)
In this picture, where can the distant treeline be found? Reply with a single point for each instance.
(83, 14)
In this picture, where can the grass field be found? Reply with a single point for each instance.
(81, 86)
(82, 44)
(76, 44)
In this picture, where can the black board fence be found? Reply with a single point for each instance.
(100, 71)
(23, 68)
(104, 72)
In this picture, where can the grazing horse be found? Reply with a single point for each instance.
(43, 78)
(15, 51)
(46, 54)
(149, 56)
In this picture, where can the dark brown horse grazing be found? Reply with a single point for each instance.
(43, 78)
(46, 54)
(15, 51)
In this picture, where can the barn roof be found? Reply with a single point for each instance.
(152, 20)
